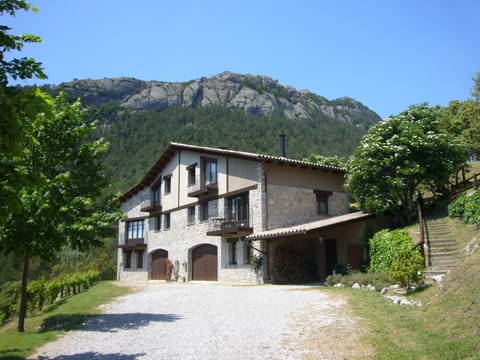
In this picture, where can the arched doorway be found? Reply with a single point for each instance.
(204, 263)
(159, 258)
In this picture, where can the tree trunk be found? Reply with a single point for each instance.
(23, 297)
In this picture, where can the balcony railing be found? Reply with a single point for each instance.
(133, 243)
(222, 226)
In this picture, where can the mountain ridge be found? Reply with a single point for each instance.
(254, 94)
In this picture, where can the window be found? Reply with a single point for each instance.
(156, 195)
(140, 259)
(191, 215)
(135, 229)
(166, 223)
(167, 184)
(210, 171)
(237, 208)
(192, 176)
(128, 259)
(232, 251)
(203, 211)
(322, 201)
(157, 222)
(208, 209)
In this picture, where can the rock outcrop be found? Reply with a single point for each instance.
(256, 95)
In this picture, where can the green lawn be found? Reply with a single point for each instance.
(55, 320)
(446, 326)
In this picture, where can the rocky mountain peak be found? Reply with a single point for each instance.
(254, 94)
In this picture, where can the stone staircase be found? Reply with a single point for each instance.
(443, 254)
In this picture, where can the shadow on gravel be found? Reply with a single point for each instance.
(94, 355)
(104, 322)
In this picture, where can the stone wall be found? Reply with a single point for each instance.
(289, 206)
(182, 238)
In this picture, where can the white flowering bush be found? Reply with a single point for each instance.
(400, 157)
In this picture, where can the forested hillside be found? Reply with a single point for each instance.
(240, 112)
(139, 138)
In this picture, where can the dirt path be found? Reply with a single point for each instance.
(214, 321)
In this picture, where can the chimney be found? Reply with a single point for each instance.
(282, 145)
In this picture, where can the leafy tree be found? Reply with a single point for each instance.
(463, 119)
(60, 204)
(476, 87)
(400, 157)
(16, 105)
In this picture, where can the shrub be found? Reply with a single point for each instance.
(385, 247)
(378, 280)
(466, 207)
(333, 279)
(408, 269)
(36, 295)
(9, 298)
(471, 213)
(457, 206)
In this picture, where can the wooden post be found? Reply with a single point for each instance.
(421, 225)
(475, 182)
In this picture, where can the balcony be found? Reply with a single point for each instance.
(201, 188)
(152, 208)
(133, 244)
(222, 226)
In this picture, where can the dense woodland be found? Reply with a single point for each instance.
(138, 138)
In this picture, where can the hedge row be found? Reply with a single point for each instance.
(42, 291)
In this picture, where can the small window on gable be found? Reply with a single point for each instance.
(167, 184)
(322, 201)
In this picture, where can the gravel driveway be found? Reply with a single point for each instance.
(214, 321)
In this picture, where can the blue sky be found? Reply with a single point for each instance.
(387, 54)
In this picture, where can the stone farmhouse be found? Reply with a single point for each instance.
(214, 214)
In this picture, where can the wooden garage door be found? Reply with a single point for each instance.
(204, 263)
(159, 257)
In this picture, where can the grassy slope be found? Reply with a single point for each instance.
(446, 326)
(55, 320)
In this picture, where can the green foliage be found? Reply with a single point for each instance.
(400, 157)
(385, 247)
(54, 321)
(60, 196)
(457, 206)
(462, 119)
(9, 298)
(408, 268)
(466, 206)
(377, 279)
(36, 294)
(327, 160)
(17, 106)
(42, 291)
